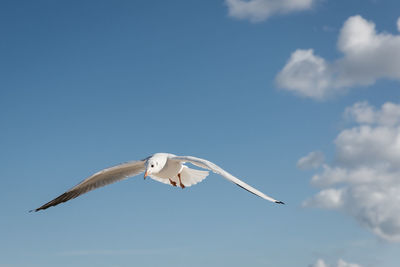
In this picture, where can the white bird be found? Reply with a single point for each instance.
(162, 167)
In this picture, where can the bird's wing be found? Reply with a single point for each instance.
(191, 176)
(99, 179)
(202, 163)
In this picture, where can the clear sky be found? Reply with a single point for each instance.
(252, 86)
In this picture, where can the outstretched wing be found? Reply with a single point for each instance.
(202, 163)
(99, 179)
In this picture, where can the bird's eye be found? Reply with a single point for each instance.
(152, 165)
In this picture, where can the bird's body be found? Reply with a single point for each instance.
(170, 168)
(174, 172)
(162, 167)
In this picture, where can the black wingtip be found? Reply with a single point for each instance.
(279, 202)
(35, 210)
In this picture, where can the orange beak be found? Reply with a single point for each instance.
(145, 175)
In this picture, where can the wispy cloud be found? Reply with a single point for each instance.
(364, 180)
(311, 161)
(340, 263)
(260, 10)
(367, 57)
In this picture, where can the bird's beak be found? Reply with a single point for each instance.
(145, 175)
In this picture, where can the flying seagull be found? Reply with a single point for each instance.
(163, 167)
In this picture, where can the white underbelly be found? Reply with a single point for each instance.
(170, 170)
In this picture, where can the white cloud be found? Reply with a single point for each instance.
(398, 24)
(364, 180)
(367, 57)
(259, 10)
(319, 263)
(311, 161)
(340, 263)
(362, 112)
(305, 74)
(328, 199)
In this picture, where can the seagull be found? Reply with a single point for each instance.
(162, 167)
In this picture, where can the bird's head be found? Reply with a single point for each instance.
(153, 165)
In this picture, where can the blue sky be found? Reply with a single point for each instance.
(85, 85)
